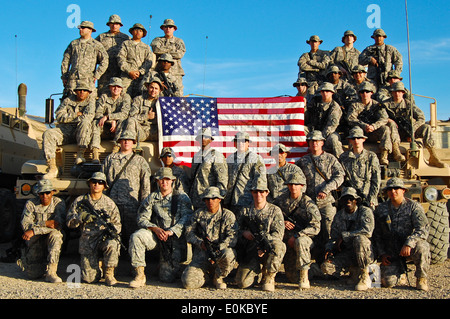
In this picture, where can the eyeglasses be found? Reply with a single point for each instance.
(45, 193)
(98, 182)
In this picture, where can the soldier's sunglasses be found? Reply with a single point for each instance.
(97, 182)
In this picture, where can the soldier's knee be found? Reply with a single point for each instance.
(193, 278)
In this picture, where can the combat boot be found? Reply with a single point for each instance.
(109, 277)
(398, 156)
(269, 281)
(95, 156)
(139, 280)
(364, 282)
(422, 284)
(51, 275)
(304, 281)
(434, 160)
(384, 157)
(52, 169)
(80, 156)
(219, 283)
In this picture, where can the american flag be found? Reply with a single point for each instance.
(268, 121)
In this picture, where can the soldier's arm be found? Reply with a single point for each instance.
(180, 49)
(65, 64)
(124, 111)
(184, 213)
(122, 59)
(65, 113)
(375, 179)
(144, 214)
(333, 120)
(102, 60)
(313, 213)
(367, 223)
(336, 178)
(420, 225)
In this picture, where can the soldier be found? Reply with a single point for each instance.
(399, 111)
(346, 56)
(278, 174)
(362, 169)
(380, 58)
(172, 45)
(359, 76)
(112, 111)
(170, 83)
(401, 233)
(260, 239)
(244, 168)
(84, 59)
(324, 175)
(302, 224)
(212, 232)
(372, 118)
(142, 120)
(128, 176)
(303, 89)
(350, 244)
(324, 114)
(345, 93)
(162, 218)
(74, 116)
(134, 60)
(384, 93)
(42, 221)
(181, 184)
(95, 213)
(314, 63)
(111, 40)
(209, 168)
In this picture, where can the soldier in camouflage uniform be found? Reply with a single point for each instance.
(171, 84)
(112, 111)
(128, 176)
(314, 63)
(362, 168)
(42, 221)
(380, 58)
(399, 111)
(383, 94)
(359, 76)
(174, 46)
(74, 116)
(302, 89)
(209, 168)
(260, 239)
(324, 114)
(94, 240)
(244, 168)
(162, 218)
(302, 224)
(350, 245)
(181, 184)
(135, 60)
(84, 59)
(346, 56)
(212, 233)
(401, 233)
(111, 40)
(345, 93)
(278, 174)
(324, 175)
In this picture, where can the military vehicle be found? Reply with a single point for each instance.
(20, 142)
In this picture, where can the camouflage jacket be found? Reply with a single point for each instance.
(324, 117)
(314, 65)
(112, 43)
(361, 115)
(175, 46)
(35, 215)
(344, 58)
(140, 106)
(134, 56)
(115, 109)
(66, 113)
(277, 176)
(402, 110)
(388, 57)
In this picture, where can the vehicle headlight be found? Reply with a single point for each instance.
(431, 194)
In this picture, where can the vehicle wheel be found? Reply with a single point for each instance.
(8, 215)
(439, 232)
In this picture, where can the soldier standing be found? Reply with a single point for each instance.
(92, 212)
(74, 117)
(128, 176)
(346, 56)
(162, 218)
(42, 222)
(350, 244)
(212, 232)
(209, 168)
(302, 224)
(260, 239)
(84, 59)
(401, 233)
(314, 63)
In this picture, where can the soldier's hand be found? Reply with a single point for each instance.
(321, 195)
(373, 61)
(385, 260)
(160, 233)
(87, 218)
(370, 128)
(134, 74)
(328, 254)
(151, 114)
(260, 253)
(113, 126)
(405, 251)
(28, 234)
(52, 224)
(248, 235)
(288, 225)
(102, 121)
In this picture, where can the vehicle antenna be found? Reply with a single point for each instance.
(204, 67)
(149, 27)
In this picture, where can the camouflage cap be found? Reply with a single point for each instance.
(98, 176)
(279, 148)
(334, 69)
(314, 38)
(315, 136)
(366, 86)
(165, 172)
(359, 69)
(356, 132)
(128, 135)
(378, 32)
(394, 74)
(326, 86)
(82, 85)
(349, 191)
(115, 81)
(204, 133)
(348, 33)
(114, 19)
(212, 192)
(242, 136)
(154, 79)
(168, 23)
(138, 26)
(167, 150)
(44, 185)
(166, 57)
(297, 178)
(260, 184)
(397, 86)
(87, 24)
(300, 80)
(394, 182)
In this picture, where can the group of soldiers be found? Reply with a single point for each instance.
(317, 217)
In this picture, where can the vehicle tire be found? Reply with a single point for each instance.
(439, 231)
(8, 215)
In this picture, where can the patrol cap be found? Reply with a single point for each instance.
(279, 148)
(297, 178)
(242, 136)
(397, 86)
(212, 192)
(128, 135)
(394, 74)
(315, 136)
(394, 182)
(334, 69)
(114, 19)
(349, 191)
(204, 133)
(314, 38)
(356, 132)
(166, 57)
(87, 24)
(300, 80)
(138, 26)
(115, 81)
(168, 23)
(167, 150)
(326, 86)
(98, 176)
(82, 85)
(165, 172)
(44, 185)
(378, 32)
(260, 184)
(359, 69)
(348, 32)
(366, 86)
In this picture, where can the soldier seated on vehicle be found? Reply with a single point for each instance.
(359, 76)
(345, 93)
(302, 89)
(164, 71)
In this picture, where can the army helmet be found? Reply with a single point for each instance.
(349, 191)
(115, 81)
(297, 178)
(359, 69)
(138, 26)
(128, 135)
(333, 69)
(114, 19)
(167, 57)
(326, 86)
(300, 80)
(397, 86)
(315, 136)
(167, 150)
(366, 86)
(83, 85)
(260, 184)
(205, 132)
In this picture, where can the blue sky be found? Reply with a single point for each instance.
(251, 50)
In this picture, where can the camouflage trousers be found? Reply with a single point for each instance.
(132, 87)
(145, 240)
(128, 219)
(424, 131)
(102, 133)
(42, 250)
(200, 270)
(297, 257)
(81, 133)
(250, 269)
(142, 132)
(421, 257)
(358, 253)
(382, 134)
